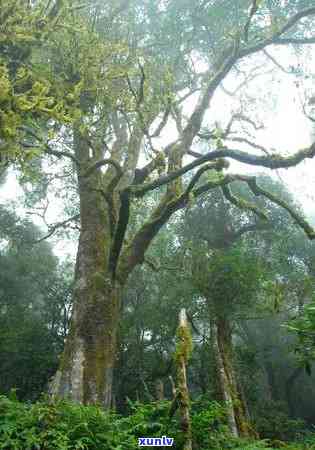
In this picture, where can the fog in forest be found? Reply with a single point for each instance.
(157, 226)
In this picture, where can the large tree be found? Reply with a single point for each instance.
(139, 69)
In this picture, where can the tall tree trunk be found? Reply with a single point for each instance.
(183, 350)
(159, 389)
(224, 382)
(86, 369)
(85, 374)
(236, 408)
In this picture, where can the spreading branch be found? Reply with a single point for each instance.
(241, 203)
(195, 121)
(134, 253)
(301, 222)
(248, 142)
(163, 121)
(295, 41)
(156, 163)
(55, 227)
(276, 38)
(274, 161)
(47, 149)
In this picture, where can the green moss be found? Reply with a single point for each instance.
(184, 344)
(98, 281)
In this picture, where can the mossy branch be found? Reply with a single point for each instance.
(242, 204)
(274, 161)
(300, 220)
(257, 191)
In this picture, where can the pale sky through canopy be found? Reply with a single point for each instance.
(286, 130)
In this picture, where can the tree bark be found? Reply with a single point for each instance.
(183, 350)
(86, 370)
(224, 382)
(236, 408)
(159, 390)
(85, 374)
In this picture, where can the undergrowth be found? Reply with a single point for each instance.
(63, 425)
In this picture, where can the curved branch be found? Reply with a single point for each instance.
(157, 163)
(134, 253)
(163, 121)
(219, 165)
(257, 190)
(104, 162)
(60, 154)
(47, 148)
(275, 38)
(274, 161)
(242, 204)
(275, 62)
(55, 227)
(294, 19)
(194, 123)
(248, 142)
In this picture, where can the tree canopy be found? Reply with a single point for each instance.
(143, 123)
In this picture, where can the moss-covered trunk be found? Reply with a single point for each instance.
(86, 369)
(223, 379)
(236, 409)
(183, 351)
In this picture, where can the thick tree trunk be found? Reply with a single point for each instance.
(85, 374)
(236, 408)
(86, 370)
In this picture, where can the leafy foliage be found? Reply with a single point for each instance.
(29, 93)
(66, 426)
(34, 300)
(303, 326)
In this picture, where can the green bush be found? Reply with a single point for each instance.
(60, 426)
(66, 426)
(274, 423)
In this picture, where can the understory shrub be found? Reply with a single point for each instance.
(274, 423)
(63, 425)
(60, 426)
